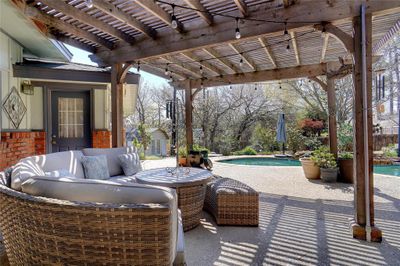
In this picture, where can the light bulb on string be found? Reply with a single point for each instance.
(202, 85)
(89, 3)
(174, 22)
(288, 46)
(201, 69)
(285, 32)
(255, 87)
(323, 32)
(171, 79)
(166, 70)
(138, 66)
(237, 31)
(241, 60)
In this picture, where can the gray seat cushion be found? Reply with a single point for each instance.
(123, 179)
(95, 167)
(114, 166)
(68, 160)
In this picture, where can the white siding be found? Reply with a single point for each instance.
(158, 135)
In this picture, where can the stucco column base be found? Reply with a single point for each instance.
(359, 232)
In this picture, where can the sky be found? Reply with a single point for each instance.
(81, 56)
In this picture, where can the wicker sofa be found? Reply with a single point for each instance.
(40, 230)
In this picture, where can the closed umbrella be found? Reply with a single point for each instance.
(281, 131)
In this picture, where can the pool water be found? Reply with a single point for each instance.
(378, 169)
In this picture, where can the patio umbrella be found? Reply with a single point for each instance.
(281, 131)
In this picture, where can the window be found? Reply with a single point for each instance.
(70, 117)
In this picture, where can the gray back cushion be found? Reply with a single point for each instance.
(68, 160)
(113, 163)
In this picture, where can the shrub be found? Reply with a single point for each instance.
(197, 147)
(264, 138)
(182, 151)
(295, 140)
(345, 137)
(346, 155)
(312, 143)
(323, 158)
(311, 126)
(246, 151)
(389, 151)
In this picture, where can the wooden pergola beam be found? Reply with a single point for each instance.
(160, 72)
(324, 47)
(203, 36)
(260, 76)
(204, 64)
(320, 82)
(340, 35)
(152, 7)
(241, 5)
(268, 51)
(288, 3)
(196, 4)
(222, 60)
(85, 18)
(51, 22)
(113, 11)
(73, 42)
(174, 62)
(295, 47)
(245, 57)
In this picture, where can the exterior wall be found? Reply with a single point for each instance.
(17, 145)
(155, 136)
(101, 139)
(383, 140)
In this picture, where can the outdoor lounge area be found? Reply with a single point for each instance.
(75, 191)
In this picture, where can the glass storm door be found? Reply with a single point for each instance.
(70, 113)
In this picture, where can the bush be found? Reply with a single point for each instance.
(389, 151)
(323, 158)
(264, 138)
(182, 151)
(295, 140)
(345, 137)
(197, 147)
(312, 143)
(246, 151)
(346, 155)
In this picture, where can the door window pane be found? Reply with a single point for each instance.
(70, 117)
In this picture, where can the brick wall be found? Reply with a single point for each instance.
(101, 139)
(17, 145)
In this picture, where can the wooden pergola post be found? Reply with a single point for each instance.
(118, 77)
(363, 151)
(189, 117)
(332, 125)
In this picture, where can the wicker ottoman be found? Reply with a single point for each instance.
(231, 202)
(3, 255)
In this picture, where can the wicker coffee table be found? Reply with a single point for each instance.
(190, 186)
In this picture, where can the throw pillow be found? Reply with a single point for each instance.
(95, 167)
(130, 163)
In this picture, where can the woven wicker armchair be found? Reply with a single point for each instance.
(43, 231)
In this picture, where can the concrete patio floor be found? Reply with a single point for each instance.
(301, 222)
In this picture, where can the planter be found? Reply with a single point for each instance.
(329, 174)
(346, 171)
(182, 161)
(310, 169)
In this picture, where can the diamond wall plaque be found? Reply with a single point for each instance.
(14, 107)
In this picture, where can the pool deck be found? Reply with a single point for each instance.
(302, 222)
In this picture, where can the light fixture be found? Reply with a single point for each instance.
(255, 87)
(201, 69)
(166, 70)
(288, 46)
(237, 31)
(230, 87)
(202, 85)
(171, 79)
(285, 32)
(138, 66)
(174, 22)
(323, 33)
(241, 61)
(89, 3)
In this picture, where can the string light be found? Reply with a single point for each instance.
(202, 85)
(285, 32)
(170, 78)
(237, 31)
(138, 66)
(174, 22)
(288, 46)
(89, 3)
(241, 60)
(323, 32)
(201, 69)
(255, 87)
(166, 70)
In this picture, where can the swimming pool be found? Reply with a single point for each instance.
(264, 161)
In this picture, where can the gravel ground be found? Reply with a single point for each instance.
(301, 222)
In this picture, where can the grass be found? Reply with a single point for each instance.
(152, 157)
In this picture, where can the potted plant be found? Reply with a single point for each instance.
(182, 156)
(310, 169)
(327, 163)
(346, 167)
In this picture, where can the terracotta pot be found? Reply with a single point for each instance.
(346, 171)
(329, 175)
(182, 161)
(310, 169)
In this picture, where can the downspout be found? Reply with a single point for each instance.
(365, 123)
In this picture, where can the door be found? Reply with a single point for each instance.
(70, 125)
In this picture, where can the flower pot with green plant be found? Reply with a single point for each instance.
(327, 163)
(346, 167)
(310, 169)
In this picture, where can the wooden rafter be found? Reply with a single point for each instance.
(203, 36)
(388, 36)
(241, 5)
(186, 69)
(340, 35)
(115, 12)
(245, 57)
(268, 51)
(52, 22)
(222, 60)
(204, 64)
(160, 72)
(85, 18)
(152, 7)
(261, 76)
(196, 4)
(324, 47)
(73, 42)
(295, 47)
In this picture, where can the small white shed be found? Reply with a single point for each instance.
(159, 142)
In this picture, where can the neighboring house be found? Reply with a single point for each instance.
(159, 145)
(49, 104)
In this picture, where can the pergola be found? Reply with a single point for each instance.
(195, 43)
